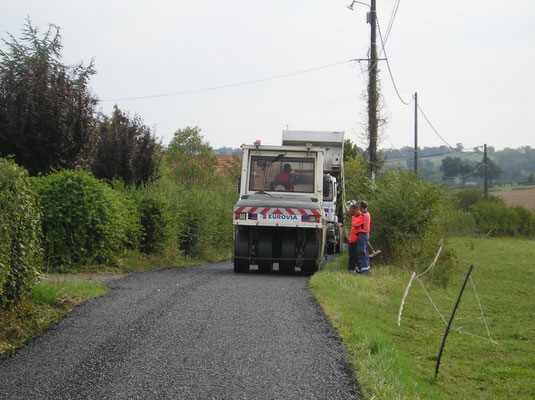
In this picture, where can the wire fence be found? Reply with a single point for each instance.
(459, 330)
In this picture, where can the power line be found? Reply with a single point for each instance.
(432, 127)
(467, 175)
(232, 84)
(389, 69)
(391, 21)
(427, 156)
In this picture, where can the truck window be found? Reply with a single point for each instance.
(281, 174)
(328, 190)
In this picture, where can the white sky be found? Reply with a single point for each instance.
(471, 63)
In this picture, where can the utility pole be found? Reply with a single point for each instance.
(416, 133)
(485, 185)
(372, 92)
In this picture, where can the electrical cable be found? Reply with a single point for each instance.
(391, 21)
(388, 65)
(432, 127)
(467, 175)
(419, 156)
(231, 84)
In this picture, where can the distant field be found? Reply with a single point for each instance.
(524, 197)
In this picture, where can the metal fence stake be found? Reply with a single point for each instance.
(451, 320)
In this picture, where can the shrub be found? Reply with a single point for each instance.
(154, 224)
(466, 198)
(20, 234)
(84, 220)
(502, 219)
(407, 219)
(180, 220)
(459, 222)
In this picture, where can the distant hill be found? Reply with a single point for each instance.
(516, 164)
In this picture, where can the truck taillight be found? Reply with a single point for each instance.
(240, 215)
(314, 218)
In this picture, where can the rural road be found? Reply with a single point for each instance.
(187, 333)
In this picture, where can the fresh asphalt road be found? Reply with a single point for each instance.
(187, 333)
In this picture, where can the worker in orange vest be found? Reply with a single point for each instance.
(354, 211)
(363, 239)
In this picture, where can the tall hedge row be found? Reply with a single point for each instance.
(84, 220)
(180, 220)
(20, 233)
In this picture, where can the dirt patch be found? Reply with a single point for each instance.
(525, 197)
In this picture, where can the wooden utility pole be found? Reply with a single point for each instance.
(416, 133)
(372, 92)
(485, 185)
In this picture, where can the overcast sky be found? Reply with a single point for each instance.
(471, 62)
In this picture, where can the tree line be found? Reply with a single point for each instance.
(457, 167)
(48, 118)
(79, 188)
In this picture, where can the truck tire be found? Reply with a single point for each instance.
(265, 252)
(331, 248)
(241, 252)
(311, 254)
(287, 264)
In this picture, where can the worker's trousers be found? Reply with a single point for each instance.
(363, 255)
(352, 250)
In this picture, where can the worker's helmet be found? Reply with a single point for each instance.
(287, 168)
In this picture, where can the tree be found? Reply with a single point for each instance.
(46, 107)
(350, 150)
(125, 149)
(493, 171)
(190, 159)
(451, 167)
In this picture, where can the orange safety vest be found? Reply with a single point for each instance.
(366, 222)
(356, 224)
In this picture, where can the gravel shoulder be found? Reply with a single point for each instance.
(187, 333)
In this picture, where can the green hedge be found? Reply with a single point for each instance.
(502, 219)
(20, 233)
(180, 220)
(85, 221)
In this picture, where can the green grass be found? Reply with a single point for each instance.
(46, 305)
(394, 362)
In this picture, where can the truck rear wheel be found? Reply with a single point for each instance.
(265, 252)
(287, 263)
(241, 252)
(331, 248)
(311, 254)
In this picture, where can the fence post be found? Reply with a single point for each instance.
(451, 320)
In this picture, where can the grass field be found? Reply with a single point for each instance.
(521, 196)
(48, 302)
(394, 362)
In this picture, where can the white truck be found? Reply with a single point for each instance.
(288, 201)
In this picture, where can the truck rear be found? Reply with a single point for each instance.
(279, 217)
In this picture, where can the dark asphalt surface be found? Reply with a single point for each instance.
(187, 333)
